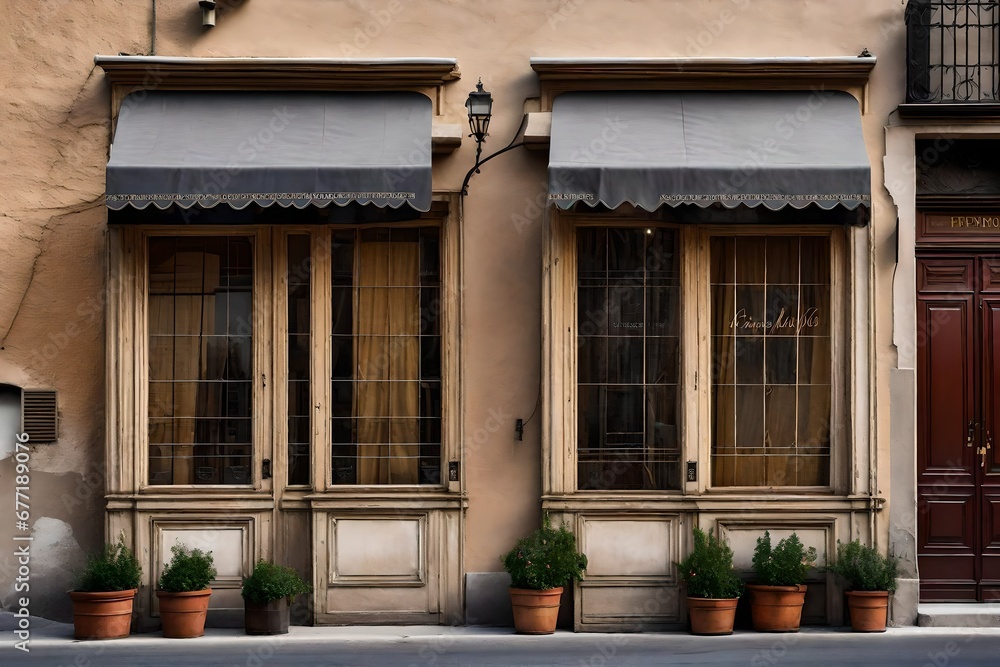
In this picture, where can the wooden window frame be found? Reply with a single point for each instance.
(559, 363)
(127, 373)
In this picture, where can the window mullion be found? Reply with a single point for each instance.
(321, 316)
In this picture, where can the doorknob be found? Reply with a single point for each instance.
(984, 449)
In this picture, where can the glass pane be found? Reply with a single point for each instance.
(386, 357)
(780, 366)
(749, 360)
(661, 258)
(592, 254)
(662, 310)
(430, 311)
(592, 311)
(625, 360)
(771, 336)
(662, 364)
(815, 260)
(628, 305)
(626, 309)
(626, 256)
(200, 360)
(299, 277)
(592, 366)
(782, 310)
(723, 260)
(750, 416)
(750, 259)
(430, 256)
(430, 357)
(782, 260)
(815, 308)
(750, 318)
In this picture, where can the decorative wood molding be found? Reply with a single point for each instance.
(847, 73)
(128, 74)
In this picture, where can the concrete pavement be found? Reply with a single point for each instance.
(51, 645)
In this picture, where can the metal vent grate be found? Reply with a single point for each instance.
(40, 415)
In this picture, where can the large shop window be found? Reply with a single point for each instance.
(771, 346)
(766, 340)
(384, 375)
(629, 293)
(200, 360)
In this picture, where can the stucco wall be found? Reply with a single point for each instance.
(54, 147)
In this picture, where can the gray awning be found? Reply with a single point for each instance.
(287, 148)
(787, 148)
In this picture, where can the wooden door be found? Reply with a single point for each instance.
(958, 413)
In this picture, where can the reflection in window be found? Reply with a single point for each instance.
(771, 362)
(628, 299)
(386, 356)
(200, 360)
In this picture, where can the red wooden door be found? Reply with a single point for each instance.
(958, 414)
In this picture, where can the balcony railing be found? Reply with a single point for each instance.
(952, 51)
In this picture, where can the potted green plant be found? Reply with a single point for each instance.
(777, 597)
(105, 590)
(267, 593)
(871, 577)
(539, 566)
(183, 592)
(713, 587)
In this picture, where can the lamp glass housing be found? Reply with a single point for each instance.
(480, 106)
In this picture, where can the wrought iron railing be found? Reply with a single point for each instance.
(952, 51)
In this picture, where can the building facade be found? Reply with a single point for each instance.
(246, 304)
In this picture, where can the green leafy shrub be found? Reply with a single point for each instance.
(115, 568)
(188, 570)
(864, 568)
(708, 570)
(547, 558)
(270, 581)
(786, 564)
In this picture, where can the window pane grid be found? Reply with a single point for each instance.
(771, 361)
(200, 360)
(299, 295)
(386, 426)
(628, 338)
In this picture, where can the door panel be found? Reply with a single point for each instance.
(947, 434)
(986, 463)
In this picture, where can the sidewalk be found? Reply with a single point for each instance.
(52, 645)
(46, 633)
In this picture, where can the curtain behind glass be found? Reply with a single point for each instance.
(387, 329)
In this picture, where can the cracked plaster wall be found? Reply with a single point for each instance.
(53, 148)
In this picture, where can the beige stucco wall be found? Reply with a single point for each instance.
(53, 147)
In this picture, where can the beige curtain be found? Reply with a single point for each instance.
(388, 352)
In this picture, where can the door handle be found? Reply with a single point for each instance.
(972, 431)
(985, 448)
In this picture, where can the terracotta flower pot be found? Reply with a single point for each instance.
(869, 610)
(183, 614)
(712, 616)
(102, 615)
(776, 608)
(266, 618)
(535, 612)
